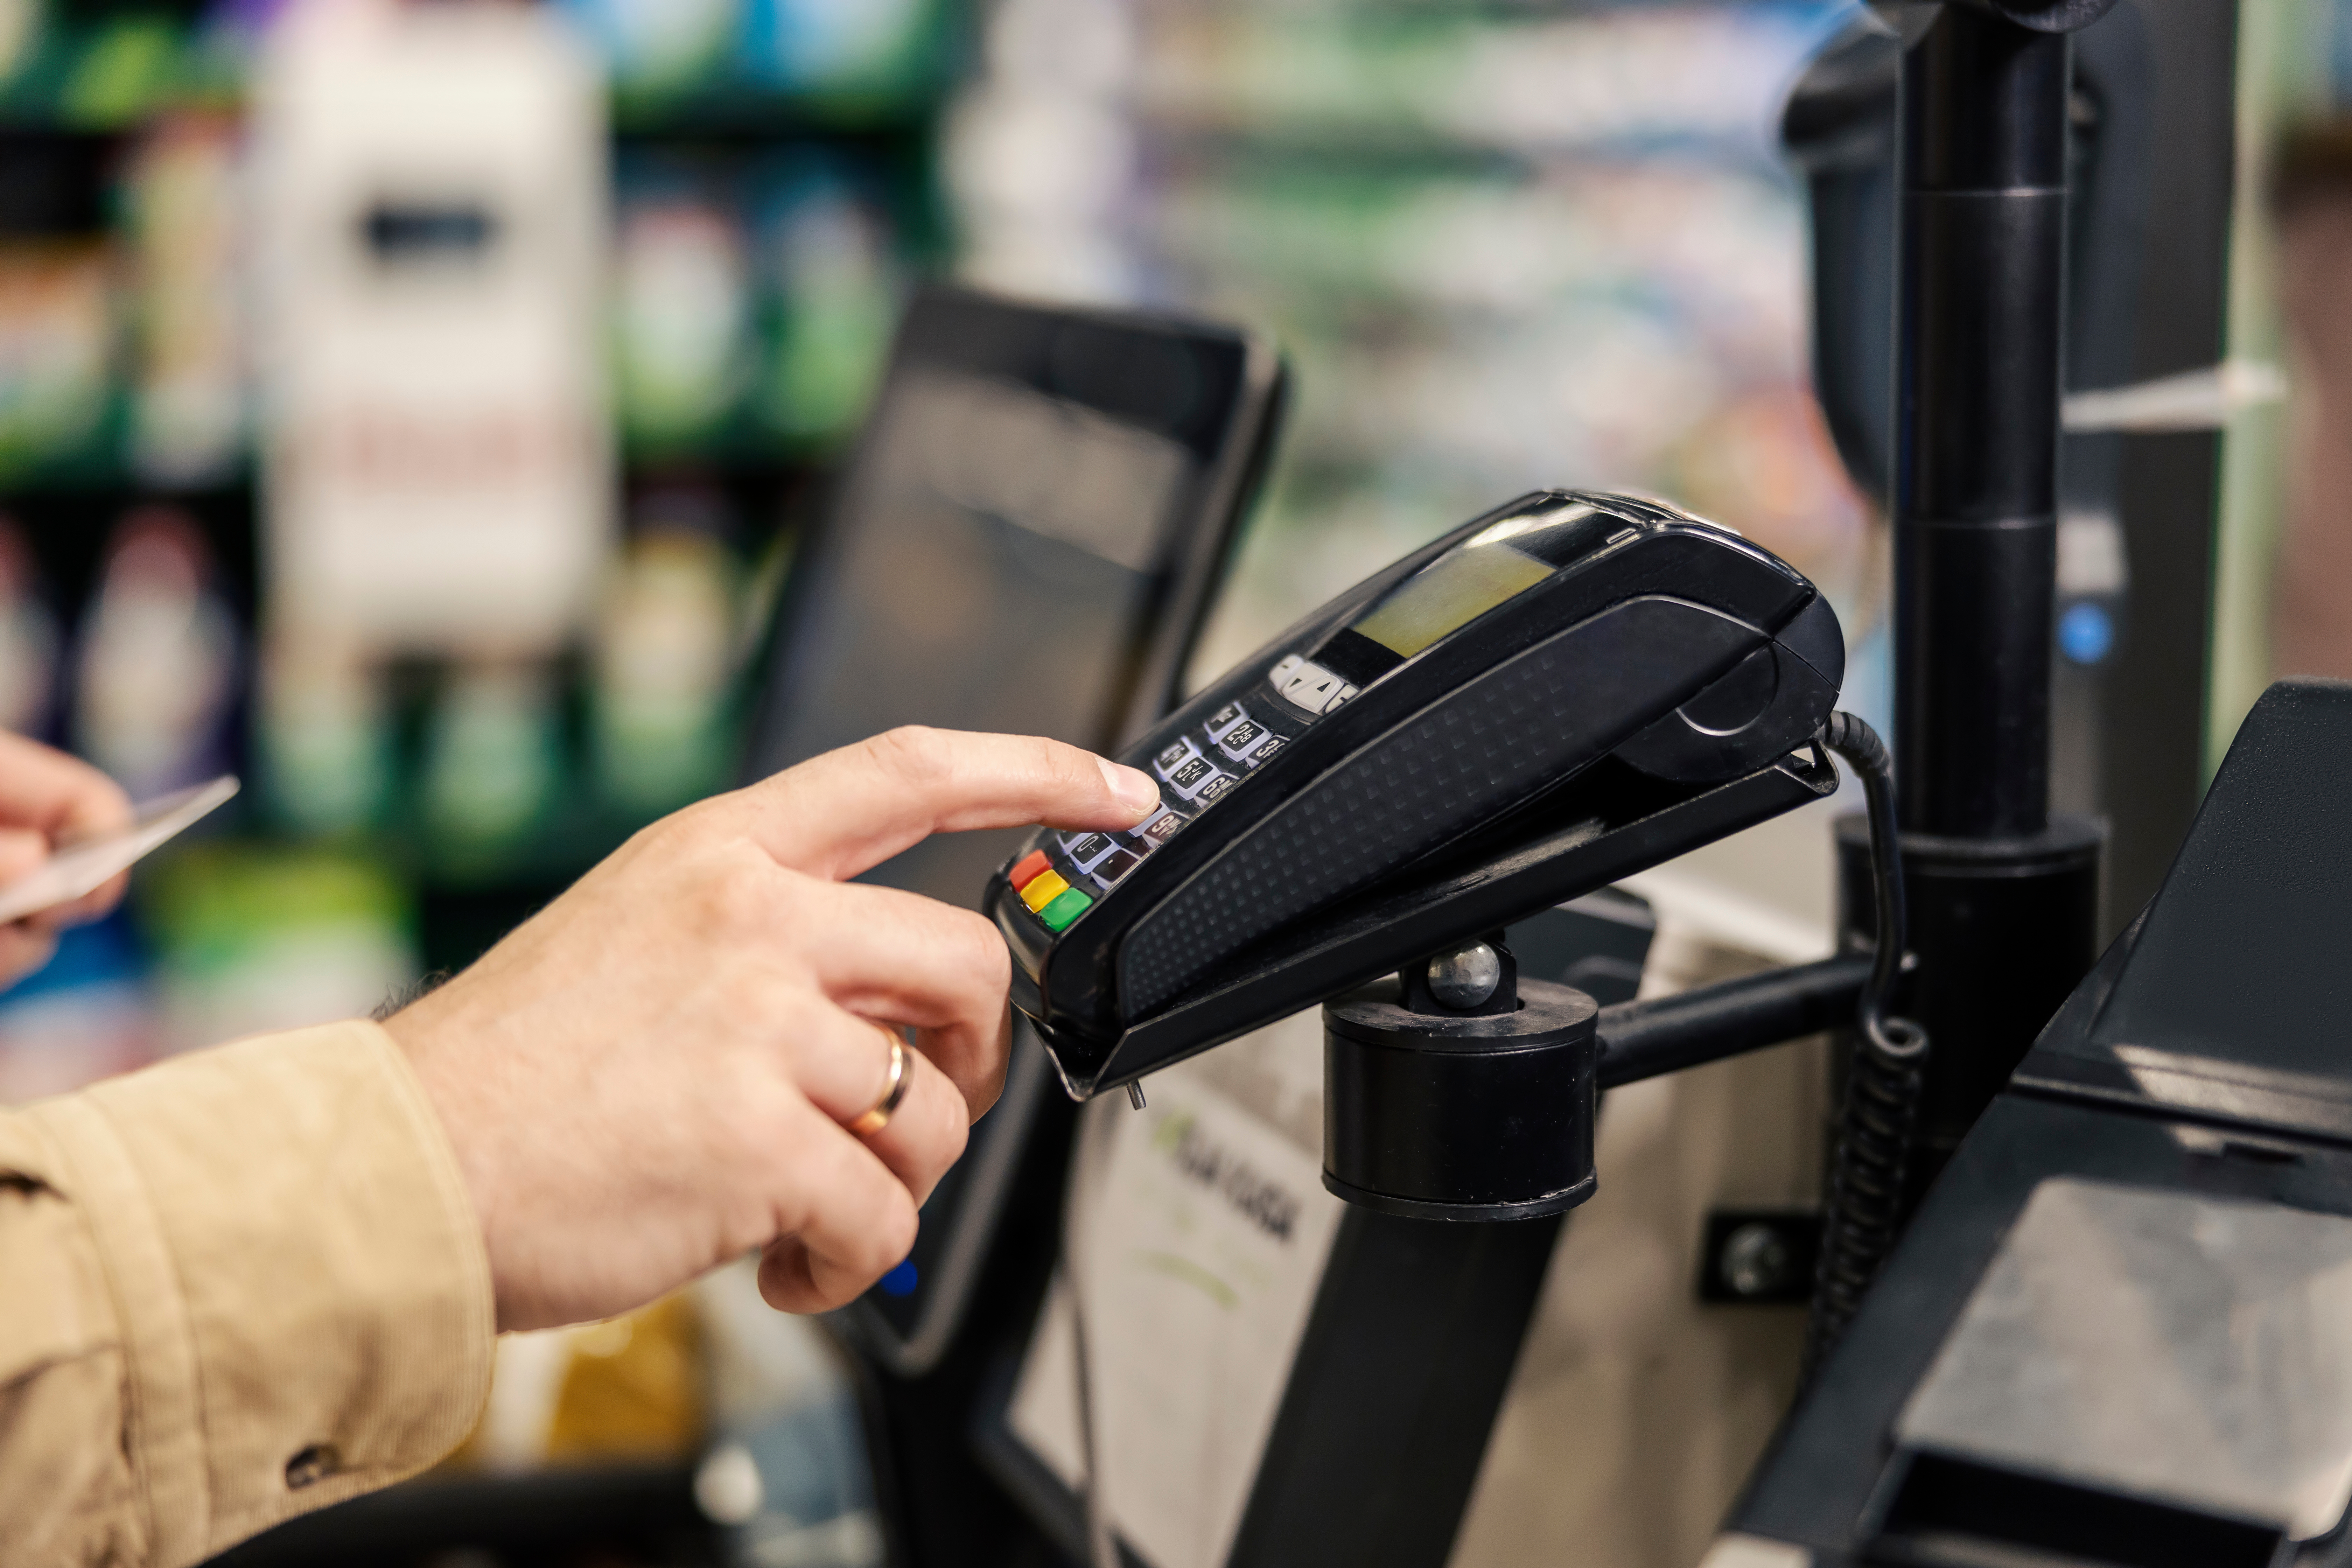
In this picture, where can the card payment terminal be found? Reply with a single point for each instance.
(1556, 694)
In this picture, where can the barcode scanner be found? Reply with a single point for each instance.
(1556, 694)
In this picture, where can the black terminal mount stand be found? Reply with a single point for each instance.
(2003, 896)
(1454, 1091)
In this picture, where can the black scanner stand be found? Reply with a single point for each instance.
(1458, 1096)
(1563, 691)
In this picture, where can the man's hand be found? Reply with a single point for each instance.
(45, 796)
(651, 1075)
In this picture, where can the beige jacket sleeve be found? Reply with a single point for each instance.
(234, 1288)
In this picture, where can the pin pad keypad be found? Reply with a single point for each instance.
(1061, 882)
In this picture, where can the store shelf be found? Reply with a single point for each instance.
(733, 114)
(728, 115)
(98, 469)
(42, 97)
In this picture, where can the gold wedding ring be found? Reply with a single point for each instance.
(877, 1118)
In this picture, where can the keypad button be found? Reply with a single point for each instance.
(1121, 863)
(1043, 890)
(1188, 777)
(1172, 757)
(1214, 789)
(1338, 697)
(1267, 748)
(1151, 835)
(1225, 719)
(1310, 687)
(1237, 741)
(1279, 676)
(1087, 849)
(1028, 869)
(1067, 906)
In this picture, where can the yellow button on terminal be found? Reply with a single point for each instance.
(1044, 891)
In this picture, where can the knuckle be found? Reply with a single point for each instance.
(940, 1128)
(894, 1232)
(663, 845)
(955, 1129)
(703, 819)
(689, 823)
(977, 951)
(734, 898)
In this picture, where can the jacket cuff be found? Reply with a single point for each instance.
(304, 1299)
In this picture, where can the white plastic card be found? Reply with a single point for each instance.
(84, 866)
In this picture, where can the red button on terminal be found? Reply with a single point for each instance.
(1028, 869)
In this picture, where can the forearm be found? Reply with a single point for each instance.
(242, 1285)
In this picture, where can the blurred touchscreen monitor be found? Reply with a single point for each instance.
(1026, 541)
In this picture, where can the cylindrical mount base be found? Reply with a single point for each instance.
(1460, 1117)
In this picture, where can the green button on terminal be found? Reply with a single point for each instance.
(1065, 907)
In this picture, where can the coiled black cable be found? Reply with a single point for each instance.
(1882, 1090)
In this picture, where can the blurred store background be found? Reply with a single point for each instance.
(411, 408)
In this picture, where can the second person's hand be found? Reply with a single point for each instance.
(47, 796)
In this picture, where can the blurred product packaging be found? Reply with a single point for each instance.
(185, 229)
(324, 738)
(28, 638)
(711, 1374)
(251, 938)
(684, 307)
(632, 1387)
(84, 1015)
(493, 760)
(659, 49)
(836, 46)
(669, 50)
(156, 666)
(664, 657)
(751, 304)
(832, 298)
(21, 22)
(58, 329)
(786, 1469)
(430, 210)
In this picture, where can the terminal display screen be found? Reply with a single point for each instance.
(1484, 572)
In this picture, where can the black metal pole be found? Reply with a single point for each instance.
(1981, 296)
(2004, 899)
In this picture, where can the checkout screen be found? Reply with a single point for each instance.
(990, 569)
